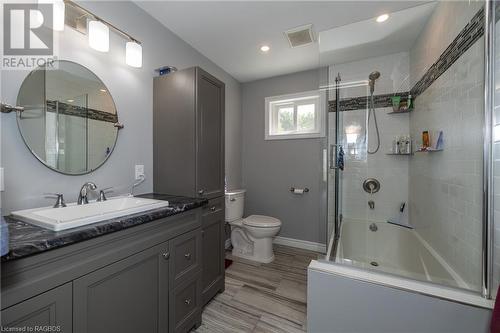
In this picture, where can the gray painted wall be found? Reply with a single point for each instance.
(340, 304)
(271, 167)
(132, 89)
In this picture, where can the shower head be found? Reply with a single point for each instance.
(372, 77)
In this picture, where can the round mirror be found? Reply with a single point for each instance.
(69, 120)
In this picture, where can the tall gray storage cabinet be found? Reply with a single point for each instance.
(188, 125)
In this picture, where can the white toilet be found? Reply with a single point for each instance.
(252, 237)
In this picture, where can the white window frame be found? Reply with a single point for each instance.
(296, 99)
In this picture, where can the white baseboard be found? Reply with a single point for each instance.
(301, 244)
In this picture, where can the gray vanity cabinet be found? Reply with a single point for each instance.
(213, 249)
(146, 278)
(130, 295)
(49, 309)
(188, 123)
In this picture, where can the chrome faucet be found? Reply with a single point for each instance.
(82, 196)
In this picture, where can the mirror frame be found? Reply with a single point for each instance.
(18, 116)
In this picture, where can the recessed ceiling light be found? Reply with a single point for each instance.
(71, 100)
(382, 18)
(102, 90)
(265, 48)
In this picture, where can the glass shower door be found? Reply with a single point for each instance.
(335, 168)
(347, 151)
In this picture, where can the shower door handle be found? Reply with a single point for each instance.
(332, 147)
(333, 156)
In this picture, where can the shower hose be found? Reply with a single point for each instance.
(371, 110)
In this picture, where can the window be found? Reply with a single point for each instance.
(295, 116)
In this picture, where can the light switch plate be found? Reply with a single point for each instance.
(139, 171)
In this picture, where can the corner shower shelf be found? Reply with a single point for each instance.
(429, 150)
(400, 154)
(397, 112)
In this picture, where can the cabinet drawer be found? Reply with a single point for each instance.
(214, 206)
(185, 255)
(185, 305)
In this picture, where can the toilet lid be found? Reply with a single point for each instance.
(261, 221)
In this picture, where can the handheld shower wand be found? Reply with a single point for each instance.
(372, 77)
(371, 109)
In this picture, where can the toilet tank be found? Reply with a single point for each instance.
(235, 203)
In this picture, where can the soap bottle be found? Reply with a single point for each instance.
(426, 140)
(407, 145)
(394, 148)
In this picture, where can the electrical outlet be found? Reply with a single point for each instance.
(139, 171)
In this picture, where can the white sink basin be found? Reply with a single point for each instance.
(74, 215)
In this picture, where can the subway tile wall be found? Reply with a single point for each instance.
(445, 187)
(391, 171)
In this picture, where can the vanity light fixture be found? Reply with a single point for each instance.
(98, 36)
(98, 32)
(382, 18)
(133, 54)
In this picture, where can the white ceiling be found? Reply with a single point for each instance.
(231, 33)
(368, 38)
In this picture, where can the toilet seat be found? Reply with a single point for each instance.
(261, 221)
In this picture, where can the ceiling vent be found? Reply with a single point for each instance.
(300, 36)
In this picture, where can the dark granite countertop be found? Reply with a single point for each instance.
(27, 239)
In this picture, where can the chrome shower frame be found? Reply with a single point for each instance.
(489, 91)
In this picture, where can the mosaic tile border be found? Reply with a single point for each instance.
(360, 103)
(78, 111)
(464, 40)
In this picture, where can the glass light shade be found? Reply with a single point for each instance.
(59, 13)
(133, 54)
(98, 36)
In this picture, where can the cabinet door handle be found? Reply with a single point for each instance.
(187, 256)
(166, 255)
(187, 301)
(212, 208)
(200, 192)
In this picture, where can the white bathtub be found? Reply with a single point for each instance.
(396, 250)
(411, 290)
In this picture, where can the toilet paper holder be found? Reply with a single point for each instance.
(299, 190)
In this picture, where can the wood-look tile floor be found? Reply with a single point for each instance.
(262, 297)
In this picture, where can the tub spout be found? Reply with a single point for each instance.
(371, 204)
